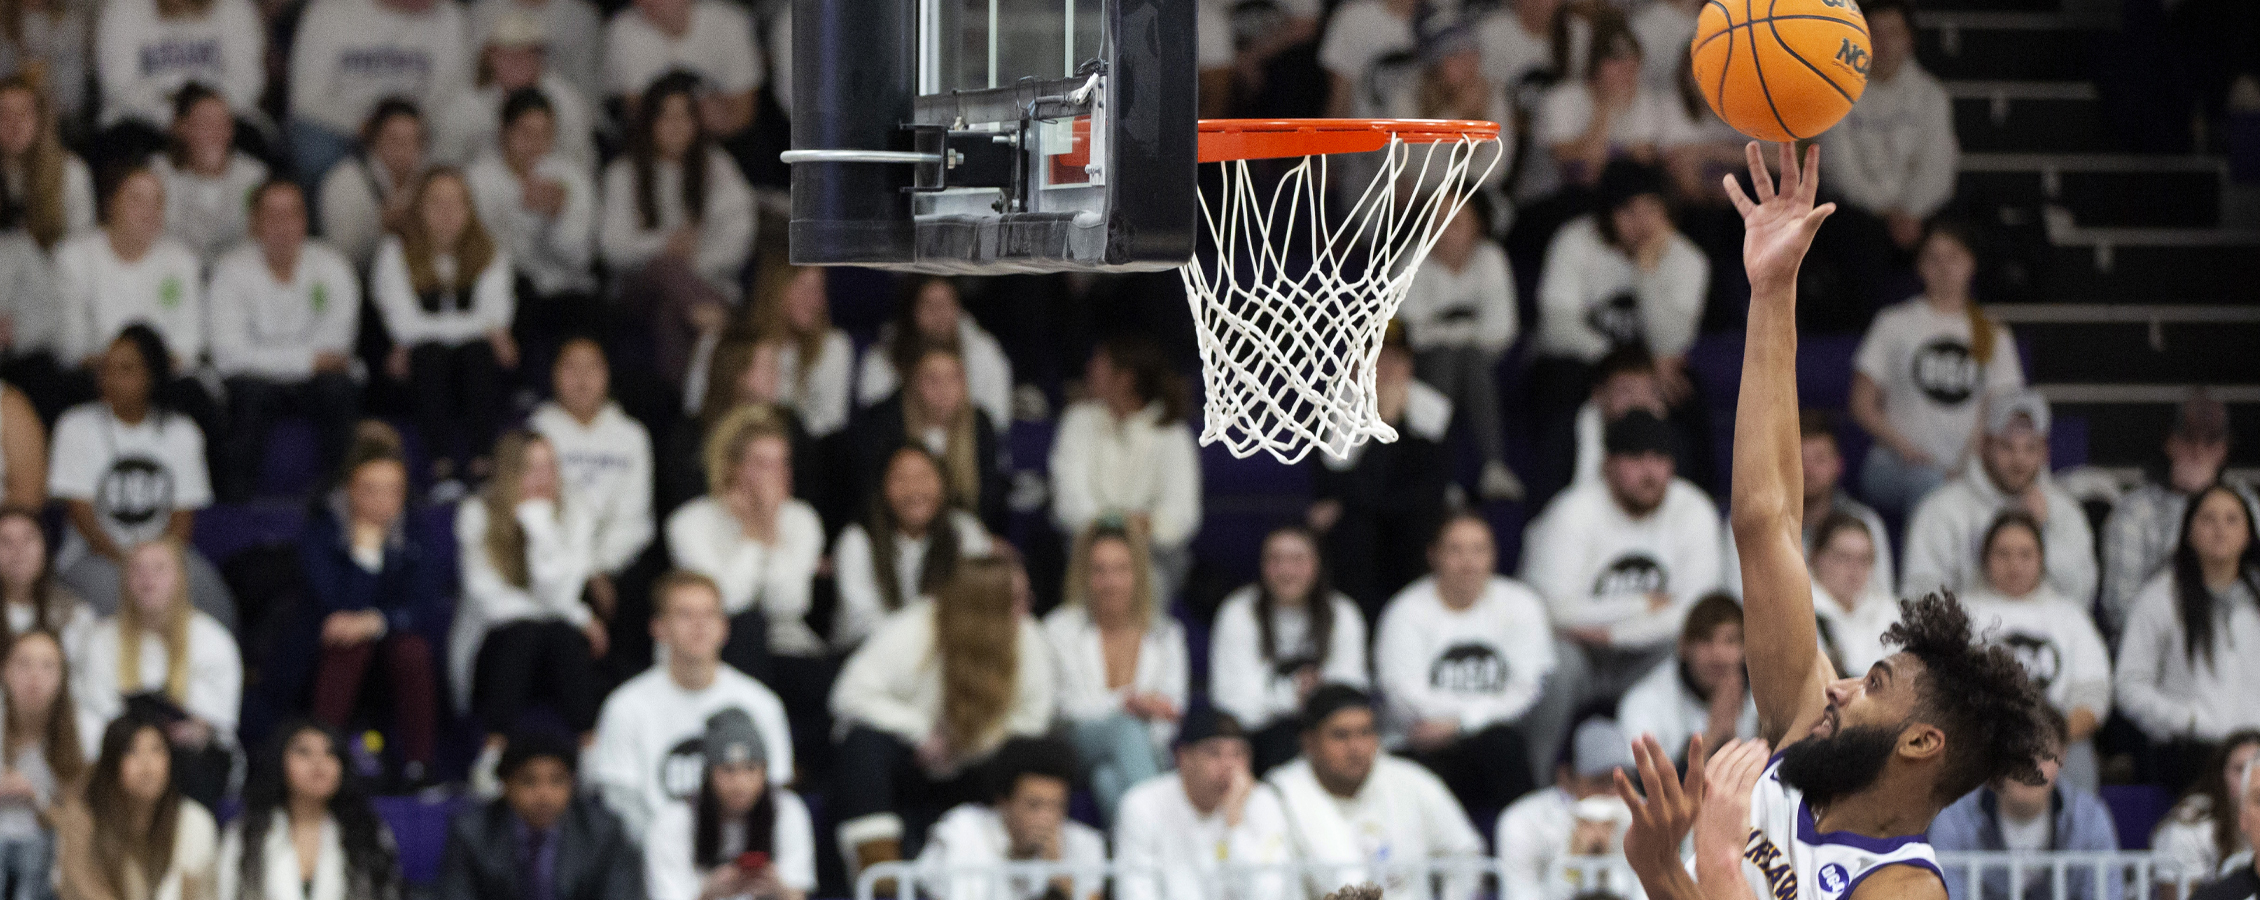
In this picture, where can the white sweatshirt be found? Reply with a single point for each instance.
(650, 752)
(1932, 388)
(719, 47)
(143, 59)
(821, 399)
(2056, 640)
(1858, 632)
(1534, 859)
(1479, 666)
(557, 569)
(988, 374)
(1401, 814)
(103, 294)
(1079, 662)
(1896, 149)
(352, 54)
(972, 837)
(27, 293)
(726, 225)
(607, 470)
(1471, 307)
(2170, 696)
(353, 198)
(862, 603)
(1880, 576)
(271, 329)
(493, 301)
(670, 870)
(551, 252)
(1596, 565)
(135, 476)
(1591, 296)
(1948, 527)
(210, 215)
(1250, 687)
(705, 538)
(1661, 704)
(215, 673)
(574, 28)
(1182, 852)
(1135, 465)
(465, 130)
(893, 683)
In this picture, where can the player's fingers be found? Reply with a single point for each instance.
(1734, 194)
(1819, 214)
(1759, 178)
(1693, 784)
(1809, 180)
(1660, 763)
(1792, 178)
(1627, 793)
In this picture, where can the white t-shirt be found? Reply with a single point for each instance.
(102, 294)
(1932, 385)
(352, 54)
(1596, 565)
(607, 470)
(1471, 307)
(1360, 34)
(1137, 464)
(552, 252)
(1158, 829)
(143, 59)
(1592, 297)
(2055, 639)
(972, 836)
(650, 752)
(215, 673)
(1401, 813)
(1079, 659)
(135, 476)
(718, 47)
(1661, 704)
(271, 329)
(492, 300)
(705, 538)
(670, 872)
(862, 601)
(210, 215)
(2029, 836)
(1253, 688)
(1478, 666)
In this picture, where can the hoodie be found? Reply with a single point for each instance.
(1943, 538)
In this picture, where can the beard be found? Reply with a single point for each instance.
(1839, 765)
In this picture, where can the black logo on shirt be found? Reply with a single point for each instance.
(683, 769)
(1469, 669)
(1633, 573)
(2042, 659)
(1618, 319)
(135, 492)
(1945, 372)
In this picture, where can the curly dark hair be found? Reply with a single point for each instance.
(1977, 693)
(372, 861)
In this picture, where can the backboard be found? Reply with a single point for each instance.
(994, 136)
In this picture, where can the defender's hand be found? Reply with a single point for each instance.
(1779, 226)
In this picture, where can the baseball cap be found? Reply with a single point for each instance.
(731, 739)
(2201, 418)
(2004, 409)
(1598, 748)
(1639, 431)
(1204, 721)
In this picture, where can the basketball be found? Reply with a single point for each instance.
(1785, 71)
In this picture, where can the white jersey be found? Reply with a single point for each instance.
(1788, 858)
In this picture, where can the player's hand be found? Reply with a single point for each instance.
(1723, 825)
(1661, 820)
(1779, 226)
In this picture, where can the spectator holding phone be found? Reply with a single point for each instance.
(741, 838)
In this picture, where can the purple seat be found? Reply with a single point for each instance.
(2136, 810)
(420, 828)
(224, 529)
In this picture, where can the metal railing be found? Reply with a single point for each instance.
(2125, 875)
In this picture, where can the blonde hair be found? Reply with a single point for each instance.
(473, 250)
(1143, 604)
(506, 539)
(769, 319)
(173, 630)
(727, 441)
(961, 457)
(977, 641)
(45, 219)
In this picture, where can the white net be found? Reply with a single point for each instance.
(1291, 309)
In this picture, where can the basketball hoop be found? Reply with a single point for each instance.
(1291, 310)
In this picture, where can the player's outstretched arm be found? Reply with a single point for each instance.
(1787, 673)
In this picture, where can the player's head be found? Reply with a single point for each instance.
(1959, 712)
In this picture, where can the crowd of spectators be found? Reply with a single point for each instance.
(617, 531)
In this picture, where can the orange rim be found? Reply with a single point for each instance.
(1223, 140)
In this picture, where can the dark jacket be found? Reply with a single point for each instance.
(878, 432)
(406, 589)
(595, 859)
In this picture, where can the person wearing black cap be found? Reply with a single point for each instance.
(539, 841)
(743, 838)
(1177, 830)
(1025, 821)
(2138, 539)
(1620, 562)
(1349, 804)
(1623, 276)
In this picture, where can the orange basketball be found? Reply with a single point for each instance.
(1781, 70)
